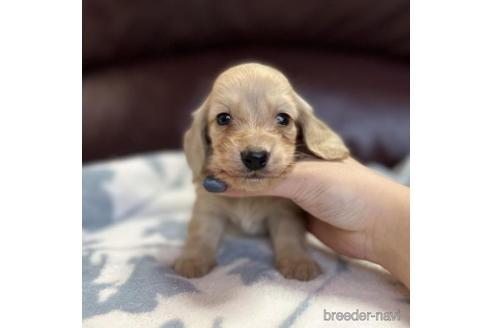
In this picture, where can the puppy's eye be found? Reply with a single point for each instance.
(282, 119)
(224, 119)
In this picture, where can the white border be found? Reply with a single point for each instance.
(451, 102)
(40, 143)
(40, 170)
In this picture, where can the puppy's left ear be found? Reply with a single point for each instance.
(317, 137)
(195, 142)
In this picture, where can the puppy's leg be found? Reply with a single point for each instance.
(288, 234)
(204, 235)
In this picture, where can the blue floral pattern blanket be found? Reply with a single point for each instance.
(135, 212)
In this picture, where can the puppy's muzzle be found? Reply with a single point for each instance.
(254, 160)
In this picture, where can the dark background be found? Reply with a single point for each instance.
(148, 64)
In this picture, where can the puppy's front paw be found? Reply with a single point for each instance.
(299, 268)
(193, 267)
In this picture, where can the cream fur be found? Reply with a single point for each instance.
(253, 94)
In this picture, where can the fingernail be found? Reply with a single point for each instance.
(213, 184)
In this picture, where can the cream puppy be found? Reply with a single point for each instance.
(249, 133)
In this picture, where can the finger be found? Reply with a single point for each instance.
(212, 184)
(278, 190)
(215, 185)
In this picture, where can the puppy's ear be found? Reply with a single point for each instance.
(317, 137)
(195, 141)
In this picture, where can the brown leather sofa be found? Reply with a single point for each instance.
(147, 64)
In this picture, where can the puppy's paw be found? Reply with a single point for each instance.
(299, 268)
(193, 267)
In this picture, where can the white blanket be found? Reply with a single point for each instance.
(135, 213)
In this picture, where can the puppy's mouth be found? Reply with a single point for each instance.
(254, 176)
(251, 176)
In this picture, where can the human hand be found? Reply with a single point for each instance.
(353, 210)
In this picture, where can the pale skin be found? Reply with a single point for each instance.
(353, 210)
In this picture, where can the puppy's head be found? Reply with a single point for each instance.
(251, 128)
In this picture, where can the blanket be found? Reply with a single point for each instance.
(135, 213)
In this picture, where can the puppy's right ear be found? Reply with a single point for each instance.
(317, 137)
(195, 141)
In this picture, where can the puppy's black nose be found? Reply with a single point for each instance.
(254, 160)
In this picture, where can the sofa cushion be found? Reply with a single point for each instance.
(146, 106)
(135, 213)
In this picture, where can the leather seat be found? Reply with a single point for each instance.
(148, 64)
